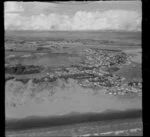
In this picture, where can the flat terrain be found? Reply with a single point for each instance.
(57, 73)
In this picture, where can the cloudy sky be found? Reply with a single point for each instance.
(98, 15)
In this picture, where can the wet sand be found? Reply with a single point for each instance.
(64, 102)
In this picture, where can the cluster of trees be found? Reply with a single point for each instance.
(134, 83)
(24, 81)
(43, 49)
(9, 78)
(47, 79)
(20, 69)
(119, 58)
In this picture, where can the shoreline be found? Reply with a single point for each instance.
(73, 118)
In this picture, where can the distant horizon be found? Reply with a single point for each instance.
(74, 30)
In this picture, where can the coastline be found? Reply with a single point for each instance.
(52, 121)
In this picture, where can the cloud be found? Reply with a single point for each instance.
(81, 20)
(13, 7)
(44, 5)
(39, 7)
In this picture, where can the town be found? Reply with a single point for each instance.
(96, 71)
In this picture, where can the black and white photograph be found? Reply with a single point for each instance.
(73, 68)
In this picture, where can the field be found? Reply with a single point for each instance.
(57, 73)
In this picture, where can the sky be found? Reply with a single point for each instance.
(73, 16)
